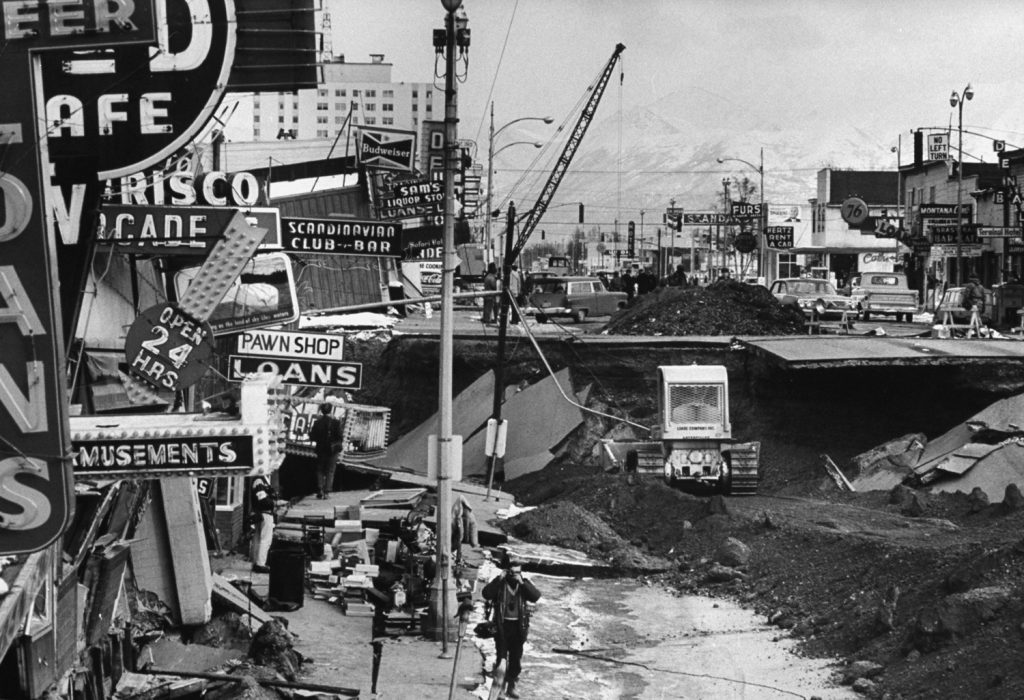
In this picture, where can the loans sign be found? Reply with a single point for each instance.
(334, 375)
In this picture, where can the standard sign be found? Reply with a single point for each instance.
(708, 218)
(300, 346)
(342, 237)
(336, 375)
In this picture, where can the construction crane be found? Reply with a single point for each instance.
(562, 165)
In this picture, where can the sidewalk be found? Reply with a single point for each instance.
(338, 651)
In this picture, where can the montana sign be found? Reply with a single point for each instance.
(335, 375)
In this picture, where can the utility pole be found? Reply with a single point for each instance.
(499, 366)
(449, 447)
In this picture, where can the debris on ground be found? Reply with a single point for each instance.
(726, 307)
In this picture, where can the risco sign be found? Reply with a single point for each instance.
(342, 237)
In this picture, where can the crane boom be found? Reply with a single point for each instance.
(562, 165)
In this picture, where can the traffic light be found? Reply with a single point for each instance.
(581, 212)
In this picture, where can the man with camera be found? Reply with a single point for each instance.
(508, 595)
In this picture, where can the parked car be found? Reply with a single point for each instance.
(883, 293)
(807, 292)
(952, 301)
(575, 297)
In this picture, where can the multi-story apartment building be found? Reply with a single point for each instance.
(361, 92)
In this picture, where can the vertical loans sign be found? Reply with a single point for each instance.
(35, 475)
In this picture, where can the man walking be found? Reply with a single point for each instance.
(508, 594)
(326, 434)
(490, 285)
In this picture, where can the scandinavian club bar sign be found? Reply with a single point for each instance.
(342, 237)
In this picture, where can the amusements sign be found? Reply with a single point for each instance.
(342, 237)
(779, 237)
(163, 455)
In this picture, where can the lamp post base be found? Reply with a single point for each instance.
(442, 603)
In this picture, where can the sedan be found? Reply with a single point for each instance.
(813, 295)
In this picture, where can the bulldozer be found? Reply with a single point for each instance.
(692, 443)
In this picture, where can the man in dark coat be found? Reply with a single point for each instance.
(326, 435)
(262, 518)
(490, 285)
(508, 594)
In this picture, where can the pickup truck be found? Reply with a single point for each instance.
(883, 293)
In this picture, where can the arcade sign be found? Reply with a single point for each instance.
(342, 237)
(143, 229)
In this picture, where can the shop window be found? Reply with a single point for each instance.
(229, 492)
(788, 266)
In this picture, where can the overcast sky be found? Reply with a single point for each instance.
(887, 65)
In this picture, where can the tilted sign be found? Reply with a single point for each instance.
(301, 346)
(779, 237)
(412, 199)
(999, 231)
(35, 483)
(342, 237)
(143, 229)
(709, 218)
(168, 348)
(390, 149)
(333, 375)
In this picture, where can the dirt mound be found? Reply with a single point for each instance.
(565, 524)
(933, 598)
(723, 308)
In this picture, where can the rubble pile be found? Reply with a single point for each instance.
(726, 307)
(565, 524)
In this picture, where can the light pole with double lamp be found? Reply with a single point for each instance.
(453, 38)
(492, 134)
(763, 219)
(957, 100)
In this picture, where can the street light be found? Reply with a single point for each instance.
(492, 134)
(764, 214)
(449, 447)
(957, 101)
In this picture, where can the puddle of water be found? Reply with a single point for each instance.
(641, 642)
